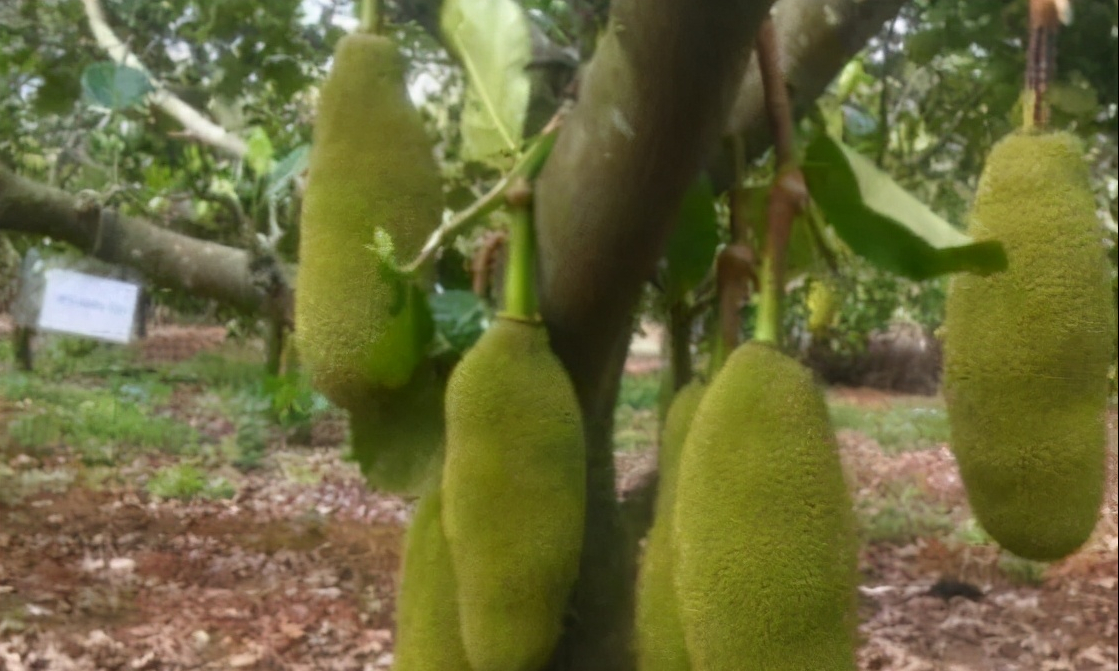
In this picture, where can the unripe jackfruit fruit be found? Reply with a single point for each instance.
(660, 636)
(427, 622)
(1027, 351)
(397, 438)
(371, 166)
(514, 485)
(766, 560)
(823, 306)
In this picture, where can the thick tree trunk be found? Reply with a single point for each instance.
(652, 106)
(166, 258)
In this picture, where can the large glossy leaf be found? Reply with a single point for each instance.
(114, 86)
(691, 249)
(460, 319)
(289, 167)
(491, 39)
(882, 222)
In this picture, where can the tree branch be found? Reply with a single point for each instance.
(652, 105)
(168, 259)
(817, 38)
(197, 125)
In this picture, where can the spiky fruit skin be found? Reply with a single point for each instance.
(514, 483)
(427, 623)
(766, 553)
(371, 165)
(659, 633)
(1027, 351)
(397, 439)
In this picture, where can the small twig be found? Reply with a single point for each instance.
(528, 167)
(194, 121)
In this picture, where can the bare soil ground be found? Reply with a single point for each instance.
(297, 570)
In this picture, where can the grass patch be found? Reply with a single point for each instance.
(635, 415)
(901, 515)
(903, 426)
(98, 423)
(185, 481)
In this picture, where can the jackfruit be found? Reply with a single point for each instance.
(397, 438)
(371, 167)
(1027, 351)
(766, 552)
(514, 484)
(427, 622)
(660, 636)
(823, 306)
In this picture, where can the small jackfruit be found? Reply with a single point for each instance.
(823, 306)
(371, 167)
(659, 634)
(427, 622)
(766, 552)
(514, 484)
(397, 438)
(1027, 351)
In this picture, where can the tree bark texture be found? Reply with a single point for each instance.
(652, 106)
(168, 259)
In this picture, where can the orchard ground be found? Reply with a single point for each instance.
(161, 508)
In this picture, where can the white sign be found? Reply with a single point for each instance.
(87, 305)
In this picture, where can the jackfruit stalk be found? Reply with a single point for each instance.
(766, 553)
(1027, 351)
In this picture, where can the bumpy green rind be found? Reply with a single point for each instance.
(1027, 351)
(397, 438)
(766, 553)
(427, 622)
(659, 633)
(514, 483)
(371, 166)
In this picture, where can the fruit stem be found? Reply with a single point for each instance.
(787, 197)
(372, 16)
(520, 268)
(1041, 58)
(767, 327)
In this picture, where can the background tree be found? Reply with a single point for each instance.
(924, 89)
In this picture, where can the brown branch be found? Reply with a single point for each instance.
(652, 105)
(168, 259)
(817, 38)
(197, 125)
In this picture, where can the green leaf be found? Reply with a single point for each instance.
(691, 249)
(883, 223)
(492, 40)
(801, 255)
(460, 318)
(260, 152)
(289, 167)
(114, 86)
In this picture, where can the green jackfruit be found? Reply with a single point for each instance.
(823, 306)
(427, 622)
(514, 483)
(1027, 351)
(359, 327)
(660, 636)
(397, 438)
(766, 552)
